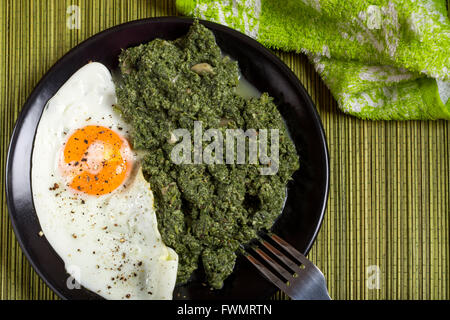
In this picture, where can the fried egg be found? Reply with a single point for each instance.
(94, 206)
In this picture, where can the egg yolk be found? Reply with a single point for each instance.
(96, 160)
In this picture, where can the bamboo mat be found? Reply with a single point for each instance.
(389, 203)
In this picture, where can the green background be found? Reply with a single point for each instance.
(389, 199)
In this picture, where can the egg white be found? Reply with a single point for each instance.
(110, 244)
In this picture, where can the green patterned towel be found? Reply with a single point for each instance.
(382, 60)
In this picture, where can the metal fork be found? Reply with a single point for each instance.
(301, 279)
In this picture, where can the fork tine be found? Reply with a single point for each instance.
(293, 266)
(286, 246)
(267, 273)
(274, 264)
(310, 283)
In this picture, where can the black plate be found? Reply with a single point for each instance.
(307, 195)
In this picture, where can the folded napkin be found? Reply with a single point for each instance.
(382, 60)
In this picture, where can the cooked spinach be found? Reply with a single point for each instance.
(204, 211)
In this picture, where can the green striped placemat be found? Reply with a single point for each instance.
(389, 203)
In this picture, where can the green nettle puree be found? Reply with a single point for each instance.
(205, 211)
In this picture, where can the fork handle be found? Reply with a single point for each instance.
(313, 287)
